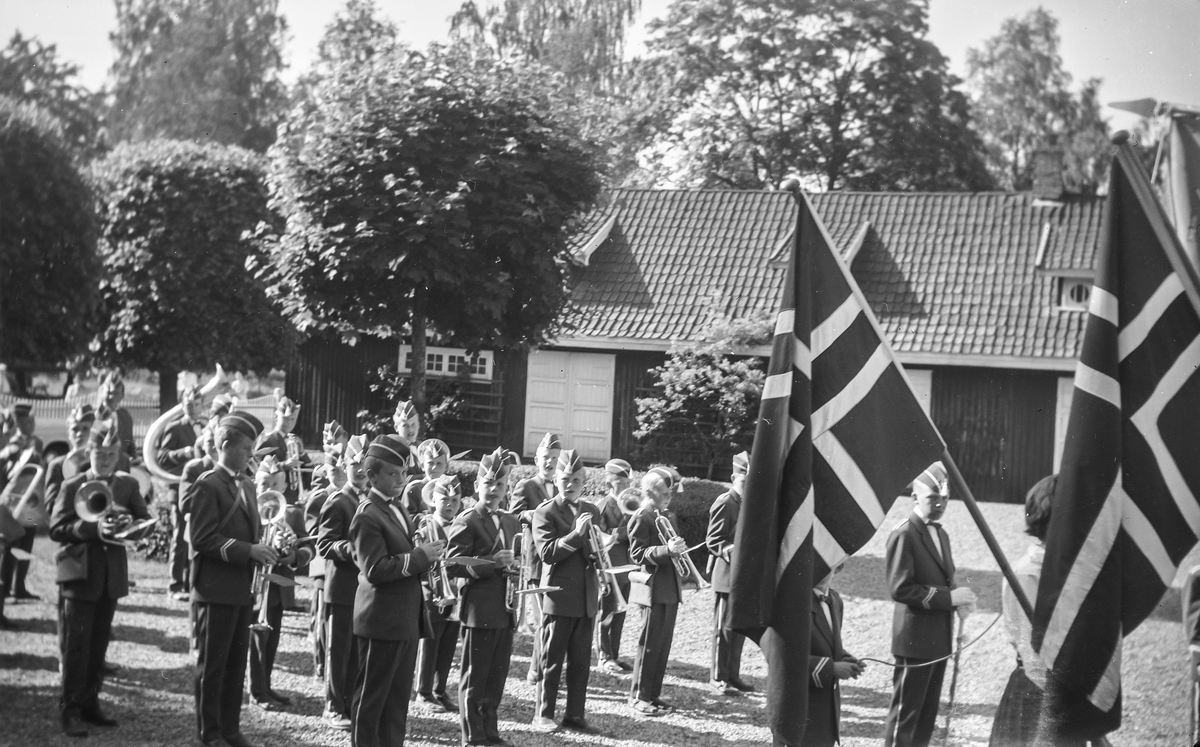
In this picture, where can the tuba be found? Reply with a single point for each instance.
(23, 495)
(684, 566)
(154, 435)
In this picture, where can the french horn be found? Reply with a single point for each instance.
(154, 435)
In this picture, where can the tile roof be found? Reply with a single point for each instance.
(946, 273)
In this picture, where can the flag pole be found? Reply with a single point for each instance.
(961, 489)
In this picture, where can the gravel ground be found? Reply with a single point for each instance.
(152, 694)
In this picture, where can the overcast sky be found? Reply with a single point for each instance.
(1141, 48)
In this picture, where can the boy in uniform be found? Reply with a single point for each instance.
(614, 522)
(436, 653)
(724, 672)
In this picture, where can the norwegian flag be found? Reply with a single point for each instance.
(840, 434)
(1125, 511)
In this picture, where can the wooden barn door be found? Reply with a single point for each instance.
(999, 427)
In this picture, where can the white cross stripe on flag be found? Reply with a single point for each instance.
(1126, 512)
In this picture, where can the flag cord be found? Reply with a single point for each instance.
(947, 657)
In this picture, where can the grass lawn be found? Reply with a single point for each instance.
(152, 694)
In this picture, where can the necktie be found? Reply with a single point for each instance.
(823, 601)
(936, 536)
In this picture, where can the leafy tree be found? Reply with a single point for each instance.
(706, 401)
(850, 94)
(33, 72)
(48, 265)
(175, 219)
(198, 70)
(447, 399)
(1024, 101)
(431, 193)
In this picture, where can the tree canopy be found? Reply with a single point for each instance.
(33, 72)
(48, 269)
(175, 219)
(1024, 102)
(429, 191)
(198, 70)
(849, 94)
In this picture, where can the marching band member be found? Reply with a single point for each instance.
(12, 571)
(488, 533)
(176, 448)
(79, 428)
(192, 471)
(435, 655)
(108, 407)
(407, 423)
(333, 442)
(561, 529)
(657, 590)
(920, 577)
(433, 455)
(93, 573)
(388, 614)
(341, 584)
(615, 523)
(727, 645)
(224, 532)
(328, 479)
(527, 496)
(828, 664)
(285, 445)
(264, 644)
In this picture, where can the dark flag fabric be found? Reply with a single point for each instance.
(1126, 512)
(839, 435)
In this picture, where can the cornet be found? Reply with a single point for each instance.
(444, 594)
(683, 563)
(294, 450)
(278, 535)
(516, 580)
(608, 582)
(94, 504)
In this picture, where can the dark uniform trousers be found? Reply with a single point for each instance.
(915, 695)
(726, 644)
(222, 641)
(654, 648)
(341, 667)
(13, 571)
(180, 562)
(264, 644)
(380, 718)
(569, 637)
(485, 660)
(86, 628)
(435, 657)
(612, 624)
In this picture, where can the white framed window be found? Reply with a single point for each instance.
(1074, 294)
(451, 361)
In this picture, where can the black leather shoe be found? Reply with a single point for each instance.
(449, 705)
(237, 740)
(264, 704)
(8, 624)
(27, 595)
(281, 699)
(73, 725)
(501, 742)
(663, 705)
(109, 669)
(96, 717)
(745, 687)
(580, 725)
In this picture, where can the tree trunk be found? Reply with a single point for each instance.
(418, 351)
(168, 393)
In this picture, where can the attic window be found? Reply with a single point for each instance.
(1074, 294)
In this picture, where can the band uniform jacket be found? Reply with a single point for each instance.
(177, 446)
(312, 524)
(722, 528)
(107, 564)
(191, 473)
(531, 493)
(433, 530)
(55, 479)
(648, 550)
(920, 582)
(294, 518)
(824, 689)
(473, 534)
(614, 521)
(333, 544)
(387, 603)
(567, 561)
(224, 526)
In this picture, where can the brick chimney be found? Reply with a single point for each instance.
(1048, 173)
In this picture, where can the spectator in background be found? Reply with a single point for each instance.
(23, 448)
(1017, 715)
(108, 408)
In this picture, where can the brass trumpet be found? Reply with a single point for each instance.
(294, 476)
(278, 535)
(629, 501)
(94, 504)
(608, 583)
(442, 589)
(517, 580)
(683, 563)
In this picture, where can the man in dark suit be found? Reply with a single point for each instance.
(614, 521)
(527, 496)
(175, 449)
(93, 573)
(657, 589)
(225, 534)
(561, 530)
(341, 584)
(486, 533)
(389, 614)
(920, 575)
(435, 655)
(722, 528)
(828, 665)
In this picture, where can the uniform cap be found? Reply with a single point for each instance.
(549, 442)
(103, 434)
(931, 480)
(618, 467)
(22, 409)
(190, 394)
(244, 423)
(81, 414)
(741, 463)
(221, 404)
(667, 474)
(445, 486)
(432, 448)
(569, 462)
(284, 404)
(354, 449)
(390, 448)
(493, 466)
(334, 432)
(511, 458)
(269, 465)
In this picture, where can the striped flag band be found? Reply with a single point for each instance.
(1126, 512)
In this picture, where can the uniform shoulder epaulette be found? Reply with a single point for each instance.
(902, 523)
